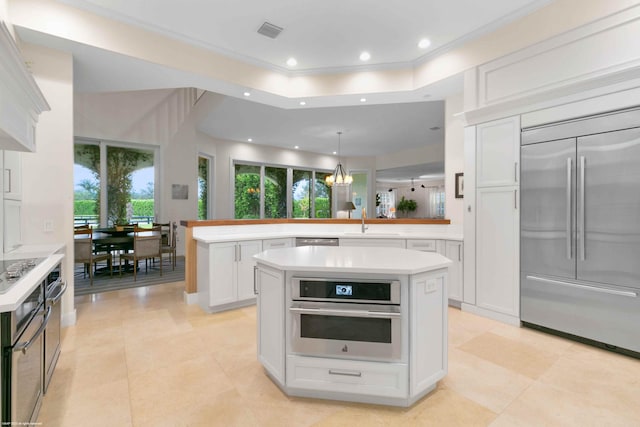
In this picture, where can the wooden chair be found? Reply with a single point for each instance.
(169, 245)
(147, 243)
(84, 254)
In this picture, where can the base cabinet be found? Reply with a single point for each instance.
(374, 243)
(225, 274)
(454, 251)
(347, 376)
(497, 250)
(271, 314)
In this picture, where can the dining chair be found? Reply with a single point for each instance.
(84, 253)
(169, 247)
(147, 243)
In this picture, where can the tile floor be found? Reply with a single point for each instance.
(141, 357)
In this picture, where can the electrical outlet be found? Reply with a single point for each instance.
(48, 226)
(430, 286)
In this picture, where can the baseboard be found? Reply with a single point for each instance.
(68, 319)
(500, 317)
(190, 299)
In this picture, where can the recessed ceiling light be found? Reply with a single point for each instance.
(363, 99)
(296, 147)
(291, 62)
(365, 56)
(303, 103)
(247, 94)
(424, 43)
(335, 152)
(250, 140)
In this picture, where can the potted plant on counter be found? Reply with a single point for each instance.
(406, 205)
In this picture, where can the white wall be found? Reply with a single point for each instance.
(47, 174)
(428, 153)
(453, 156)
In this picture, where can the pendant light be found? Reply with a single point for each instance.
(339, 176)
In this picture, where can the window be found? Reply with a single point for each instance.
(204, 173)
(275, 192)
(247, 191)
(322, 196)
(126, 175)
(86, 185)
(272, 191)
(301, 194)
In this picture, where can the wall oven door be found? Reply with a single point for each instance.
(363, 331)
(22, 372)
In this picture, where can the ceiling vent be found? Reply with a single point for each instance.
(270, 30)
(435, 128)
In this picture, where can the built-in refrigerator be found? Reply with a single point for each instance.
(580, 228)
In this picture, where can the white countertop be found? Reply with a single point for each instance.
(26, 284)
(214, 238)
(352, 259)
(10, 300)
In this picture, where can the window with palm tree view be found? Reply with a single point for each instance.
(261, 192)
(126, 175)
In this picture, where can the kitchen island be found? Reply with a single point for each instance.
(361, 324)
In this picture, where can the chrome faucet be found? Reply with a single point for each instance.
(364, 215)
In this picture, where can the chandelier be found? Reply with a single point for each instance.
(339, 176)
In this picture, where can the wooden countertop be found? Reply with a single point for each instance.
(222, 222)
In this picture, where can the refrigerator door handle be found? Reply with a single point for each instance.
(583, 233)
(568, 221)
(585, 287)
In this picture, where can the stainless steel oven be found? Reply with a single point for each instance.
(346, 318)
(22, 361)
(54, 289)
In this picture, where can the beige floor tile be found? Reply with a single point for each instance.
(162, 393)
(445, 407)
(511, 354)
(483, 382)
(141, 357)
(546, 405)
(606, 380)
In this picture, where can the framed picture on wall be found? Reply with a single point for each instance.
(459, 185)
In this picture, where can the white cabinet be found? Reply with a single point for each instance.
(454, 251)
(498, 152)
(492, 220)
(497, 249)
(318, 374)
(225, 274)
(12, 178)
(426, 245)
(379, 243)
(271, 315)
(12, 237)
(428, 329)
(286, 242)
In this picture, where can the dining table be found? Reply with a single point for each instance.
(112, 240)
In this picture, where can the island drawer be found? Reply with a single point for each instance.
(348, 376)
(286, 242)
(427, 245)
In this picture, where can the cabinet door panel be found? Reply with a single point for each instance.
(497, 250)
(454, 253)
(271, 315)
(498, 151)
(222, 260)
(246, 251)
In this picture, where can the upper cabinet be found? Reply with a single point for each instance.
(12, 181)
(21, 101)
(498, 153)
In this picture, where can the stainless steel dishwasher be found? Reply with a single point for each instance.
(316, 241)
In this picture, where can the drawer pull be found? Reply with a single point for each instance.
(345, 373)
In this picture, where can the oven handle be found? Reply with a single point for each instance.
(23, 347)
(349, 313)
(57, 298)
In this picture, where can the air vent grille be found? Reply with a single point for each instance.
(435, 128)
(270, 30)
